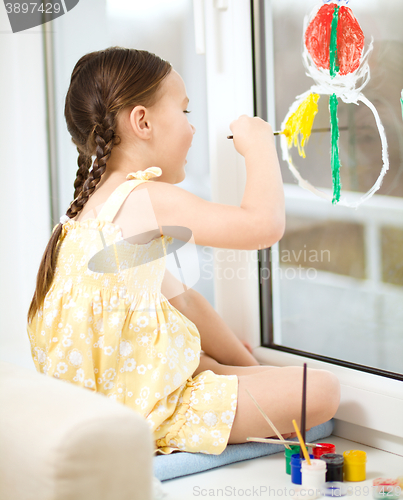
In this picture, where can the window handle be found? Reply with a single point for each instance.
(198, 15)
(199, 22)
(221, 4)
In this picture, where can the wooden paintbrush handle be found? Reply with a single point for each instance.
(278, 132)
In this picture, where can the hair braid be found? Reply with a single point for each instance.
(102, 83)
(105, 138)
(84, 162)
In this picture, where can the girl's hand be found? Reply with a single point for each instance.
(247, 345)
(251, 133)
(289, 436)
(292, 435)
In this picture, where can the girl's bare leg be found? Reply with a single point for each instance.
(279, 393)
(278, 390)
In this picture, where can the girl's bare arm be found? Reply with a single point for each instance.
(217, 339)
(258, 222)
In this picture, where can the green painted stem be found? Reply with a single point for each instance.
(333, 61)
(334, 157)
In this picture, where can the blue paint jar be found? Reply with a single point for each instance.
(296, 477)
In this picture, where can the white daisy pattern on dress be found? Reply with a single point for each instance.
(105, 326)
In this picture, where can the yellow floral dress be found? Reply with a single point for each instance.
(106, 326)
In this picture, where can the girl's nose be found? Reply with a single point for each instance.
(193, 128)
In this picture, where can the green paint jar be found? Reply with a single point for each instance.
(287, 454)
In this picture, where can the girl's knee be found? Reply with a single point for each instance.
(326, 387)
(334, 392)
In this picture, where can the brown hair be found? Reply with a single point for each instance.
(102, 84)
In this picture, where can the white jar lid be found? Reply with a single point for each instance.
(316, 465)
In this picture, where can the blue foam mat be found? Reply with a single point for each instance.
(183, 463)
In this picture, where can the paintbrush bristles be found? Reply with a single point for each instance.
(268, 419)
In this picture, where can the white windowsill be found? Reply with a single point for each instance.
(265, 477)
(371, 406)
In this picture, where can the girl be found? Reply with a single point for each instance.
(100, 315)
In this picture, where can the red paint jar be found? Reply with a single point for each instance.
(322, 448)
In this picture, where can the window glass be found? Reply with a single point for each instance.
(338, 279)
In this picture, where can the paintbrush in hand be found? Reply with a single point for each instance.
(315, 130)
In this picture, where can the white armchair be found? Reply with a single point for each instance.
(62, 442)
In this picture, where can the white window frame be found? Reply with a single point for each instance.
(371, 406)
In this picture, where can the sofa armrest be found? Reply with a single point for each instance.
(63, 442)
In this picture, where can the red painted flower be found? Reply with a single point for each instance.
(350, 39)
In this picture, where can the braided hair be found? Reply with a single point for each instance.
(102, 84)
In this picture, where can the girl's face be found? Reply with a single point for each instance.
(172, 133)
(159, 136)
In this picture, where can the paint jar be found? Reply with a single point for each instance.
(334, 466)
(288, 453)
(387, 489)
(322, 448)
(354, 465)
(296, 460)
(314, 474)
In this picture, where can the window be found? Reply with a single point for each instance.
(371, 404)
(336, 284)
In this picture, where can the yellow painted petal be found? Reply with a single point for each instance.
(300, 123)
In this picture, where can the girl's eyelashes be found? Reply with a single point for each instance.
(186, 111)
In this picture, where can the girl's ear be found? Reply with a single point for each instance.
(139, 122)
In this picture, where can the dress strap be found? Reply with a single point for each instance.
(116, 199)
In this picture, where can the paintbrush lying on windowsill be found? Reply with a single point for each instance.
(278, 441)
